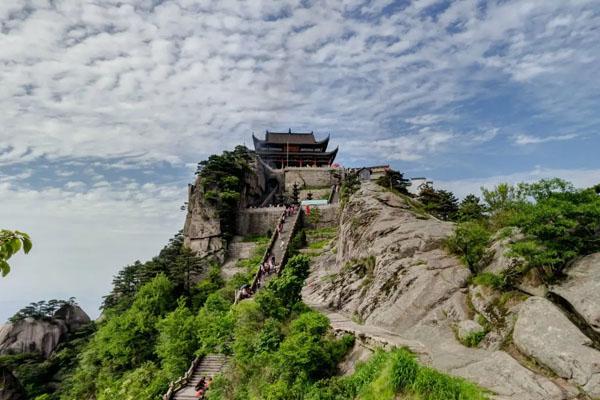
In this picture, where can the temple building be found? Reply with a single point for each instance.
(293, 149)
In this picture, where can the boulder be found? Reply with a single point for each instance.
(30, 335)
(10, 387)
(501, 242)
(582, 289)
(503, 375)
(544, 333)
(467, 328)
(73, 315)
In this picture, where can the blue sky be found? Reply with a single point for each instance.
(107, 106)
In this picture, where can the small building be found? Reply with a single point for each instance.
(294, 149)
(364, 174)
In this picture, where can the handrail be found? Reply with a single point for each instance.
(272, 242)
(287, 247)
(183, 380)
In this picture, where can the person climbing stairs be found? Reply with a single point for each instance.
(209, 366)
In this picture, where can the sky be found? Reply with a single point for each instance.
(107, 106)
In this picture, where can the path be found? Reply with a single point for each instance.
(276, 250)
(210, 366)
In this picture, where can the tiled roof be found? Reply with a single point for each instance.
(291, 138)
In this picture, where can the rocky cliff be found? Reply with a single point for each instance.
(30, 335)
(202, 230)
(389, 277)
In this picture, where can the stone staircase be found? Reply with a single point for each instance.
(209, 366)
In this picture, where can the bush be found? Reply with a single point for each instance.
(470, 242)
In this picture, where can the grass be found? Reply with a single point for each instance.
(321, 233)
(318, 244)
(473, 339)
(259, 239)
(251, 264)
(489, 279)
(390, 374)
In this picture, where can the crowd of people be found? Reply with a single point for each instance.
(202, 386)
(269, 266)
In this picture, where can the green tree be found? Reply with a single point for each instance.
(470, 242)
(394, 180)
(470, 208)
(177, 340)
(441, 203)
(10, 244)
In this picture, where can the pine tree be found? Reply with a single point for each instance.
(295, 194)
(470, 208)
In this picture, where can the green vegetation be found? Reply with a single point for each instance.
(388, 374)
(440, 203)
(40, 376)
(489, 279)
(471, 209)
(470, 242)
(394, 180)
(222, 180)
(350, 185)
(474, 338)
(559, 224)
(41, 310)
(10, 244)
(175, 261)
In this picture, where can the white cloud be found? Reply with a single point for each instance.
(180, 80)
(524, 139)
(81, 238)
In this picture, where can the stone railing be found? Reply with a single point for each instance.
(182, 381)
(297, 221)
(268, 250)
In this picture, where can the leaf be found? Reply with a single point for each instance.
(4, 267)
(26, 244)
(15, 243)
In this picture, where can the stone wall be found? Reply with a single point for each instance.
(329, 217)
(258, 221)
(310, 177)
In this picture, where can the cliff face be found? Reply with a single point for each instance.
(30, 335)
(202, 229)
(389, 277)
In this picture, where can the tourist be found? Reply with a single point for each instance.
(200, 387)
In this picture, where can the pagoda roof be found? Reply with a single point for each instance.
(291, 138)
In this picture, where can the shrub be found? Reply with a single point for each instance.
(470, 242)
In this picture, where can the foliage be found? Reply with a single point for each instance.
(41, 309)
(474, 338)
(295, 193)
(385, 375)
(470, 241)
(10, 244)
(222, 180)
(177, 339)
(470, 208)
(490, 279)
(123, 344)
(174, 261)
(315, 216)
(440, 203)
(38, 375)
(350, 185)
(394, 180)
